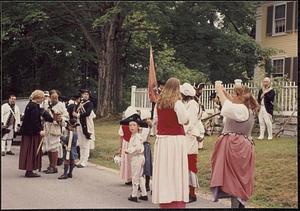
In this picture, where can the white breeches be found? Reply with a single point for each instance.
(84, 145)
(193, 180)
(265, 119)
(7, 139)
(137, 168)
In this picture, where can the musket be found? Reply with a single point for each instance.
(211, 116)
(69, 145)
(80, 106)
(40, 145)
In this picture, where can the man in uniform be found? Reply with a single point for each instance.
(86, 134)
(10, 122)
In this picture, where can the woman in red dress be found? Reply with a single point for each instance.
(233, 157)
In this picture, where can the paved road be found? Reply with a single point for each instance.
(91, 187)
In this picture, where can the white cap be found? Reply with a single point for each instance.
(187, 90)
(238, 81)
(145, 114)
(130, 111)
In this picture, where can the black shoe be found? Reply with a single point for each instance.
(70, 175)
(80, 166)
(48, 168)
(192, 199)
(2, 153)
(10, 153)
(241, 206)
(128, 183)
(134, 199)
(51, 171)
(31, 174)
(63, 176)
(144, 198)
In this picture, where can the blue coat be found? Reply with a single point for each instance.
(73, 153)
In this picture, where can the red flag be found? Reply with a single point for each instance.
(152, 83)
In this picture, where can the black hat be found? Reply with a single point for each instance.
(72, 123)
(134, 118)
(85, 91)
(199, 85)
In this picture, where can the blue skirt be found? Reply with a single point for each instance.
(148, 159)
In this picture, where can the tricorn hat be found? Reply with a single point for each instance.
(199, 85)
(85, 91)
(134, 118)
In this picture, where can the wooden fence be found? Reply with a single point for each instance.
(286, 99)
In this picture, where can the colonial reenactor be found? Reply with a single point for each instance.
(45, 105)
(145, 133)
(199, 87)
(266, 96)
(86, 134)
(136, 153)
(32, 132)
(10, 121)
(73, 103)
(192, 132)
(53, 130)
(170, 153)
(125, 135)
(233, 156)
(69, 149)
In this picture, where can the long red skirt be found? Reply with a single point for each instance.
(233, 167)
(28, 159)
(174, 204)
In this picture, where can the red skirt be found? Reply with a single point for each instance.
(233, 166)
(28, 159)
(174, 204)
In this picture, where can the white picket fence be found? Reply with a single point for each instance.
(286, 99)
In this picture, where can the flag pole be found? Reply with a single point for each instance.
(152, 83)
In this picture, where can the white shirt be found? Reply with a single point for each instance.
(135, 145)
(192, 128)
(6, 110)
(237, 112)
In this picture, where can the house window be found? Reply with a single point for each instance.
(279, 18)
(278, 67)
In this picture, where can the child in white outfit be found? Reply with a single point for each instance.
(137, 160)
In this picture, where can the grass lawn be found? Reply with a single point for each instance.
(275, 165)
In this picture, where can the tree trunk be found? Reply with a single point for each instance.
(109, 68)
